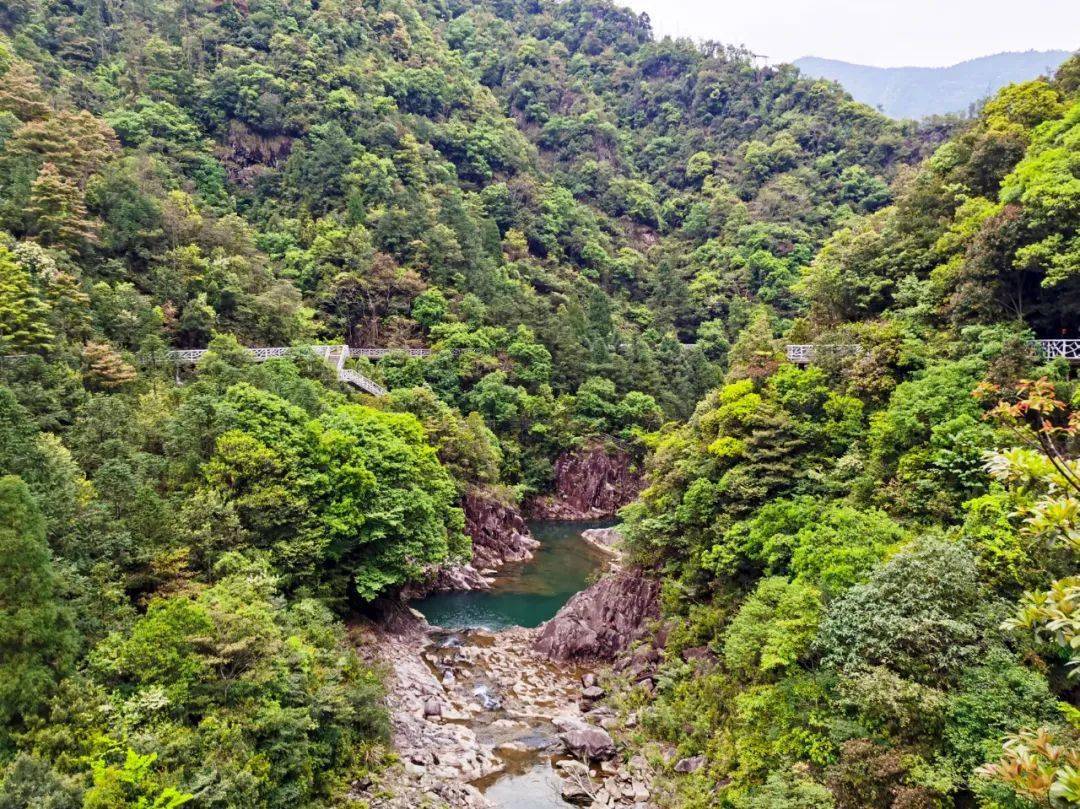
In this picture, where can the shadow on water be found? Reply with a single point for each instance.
(525, 593)
(538, 787)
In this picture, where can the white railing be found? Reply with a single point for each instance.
(335, 355)
(185, 355)
(1050, 349)
(361, 381)
(1066, 349)
(375, 353)
(807, 352)
(801, 354)
(188, 356)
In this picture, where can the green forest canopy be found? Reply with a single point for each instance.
(602, 236)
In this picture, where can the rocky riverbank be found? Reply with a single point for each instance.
(604, 620)
(469, 708)
(499, 535)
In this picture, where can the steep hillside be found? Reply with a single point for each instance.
(918, 92)
(602, 239)
(842, 547)
(557, 205)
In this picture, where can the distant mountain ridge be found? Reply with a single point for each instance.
(916, 92)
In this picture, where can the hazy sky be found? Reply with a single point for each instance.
(887, 33)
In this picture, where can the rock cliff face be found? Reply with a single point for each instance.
(499, 535)
(601, 622)
(498, 531)
(590, 484)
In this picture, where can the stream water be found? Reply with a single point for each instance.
(525, 593)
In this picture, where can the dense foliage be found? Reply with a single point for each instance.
(599, 235)
(842, 547)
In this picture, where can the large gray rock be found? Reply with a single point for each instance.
(577, 787)
(603, 620)
(590, 742)
(607, 540)
(689, 765)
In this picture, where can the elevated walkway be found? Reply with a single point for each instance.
(806, 353)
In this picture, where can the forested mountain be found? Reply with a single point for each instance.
(592, 230)
(842, 547)
(918, 92)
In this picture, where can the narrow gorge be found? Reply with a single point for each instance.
(495, 665)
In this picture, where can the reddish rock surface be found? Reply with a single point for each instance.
(247, 155)
(602, 621)
(499, 535)
(590, 484)
(498, 531)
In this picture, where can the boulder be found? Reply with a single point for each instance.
(607, 540)
(592, 693)
(576, 785)
(641, 665)
(688, 765)
(589, 742)
(698, 653)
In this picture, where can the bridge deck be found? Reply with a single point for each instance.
(805, 353)
(334, 355)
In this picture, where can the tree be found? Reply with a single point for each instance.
(827, 544)
(37, 641)
(30, 782)
(21, 94)
(918, 615)
(755, 354)
(131, 785)
(77, 143)
(23, 314)
(1042, 764)
(773, 628)
(106, 369)
(57, 212)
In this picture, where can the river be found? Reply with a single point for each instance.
(525, 594)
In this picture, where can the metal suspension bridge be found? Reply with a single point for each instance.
(806, 353)
(333, 355)
(336, 355)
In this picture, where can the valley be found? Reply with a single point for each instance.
(413, 404)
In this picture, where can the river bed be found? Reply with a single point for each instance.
(524, 594)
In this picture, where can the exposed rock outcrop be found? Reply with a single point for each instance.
(498, 531)
(246, 154)
(499, 535)
(602, 621)
(590, 484)
(608, 540)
